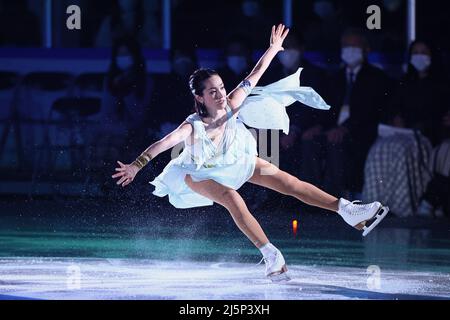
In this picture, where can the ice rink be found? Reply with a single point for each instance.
(64, 278)
(47, 252)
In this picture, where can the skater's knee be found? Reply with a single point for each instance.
(230, 199)
(229, 196)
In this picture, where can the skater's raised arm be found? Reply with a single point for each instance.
(238, 95)
(127, 172)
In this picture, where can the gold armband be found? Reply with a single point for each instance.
(142, 161)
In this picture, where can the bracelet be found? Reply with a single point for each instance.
(246, 86)
(142, 161)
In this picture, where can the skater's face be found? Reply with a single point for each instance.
(214, 95)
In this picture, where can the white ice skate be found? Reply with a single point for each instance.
(276, 269)
(362, 216)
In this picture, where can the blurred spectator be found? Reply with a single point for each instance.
(438, 189)
(238, 62)
(171, 98)
(419, 102)
(19, 27)
(127, 89)
(397, 169)
(358, 96)
(435, 201)
(136, 18)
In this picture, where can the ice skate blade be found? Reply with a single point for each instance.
(375, 220)
(281, 276)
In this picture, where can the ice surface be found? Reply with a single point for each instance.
(89, 278)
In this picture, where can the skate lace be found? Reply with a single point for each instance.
(265, 259)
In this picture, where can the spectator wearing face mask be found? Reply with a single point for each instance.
(238, 60)
(358, 94)
(124, 106)
(170, 93)
(419, 99)
(403, 162)
(170, 98)
(127, 93)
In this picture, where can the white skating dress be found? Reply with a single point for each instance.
(231, 162)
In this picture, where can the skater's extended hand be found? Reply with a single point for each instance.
(278, 35)
(127, 172)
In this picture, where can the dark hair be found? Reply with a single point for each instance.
(358, 32)
(196, 85)
(139, 66)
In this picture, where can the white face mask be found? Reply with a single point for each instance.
(124, 62)
(352, 56)
(420, 61)
(237, 63)
(289, 58)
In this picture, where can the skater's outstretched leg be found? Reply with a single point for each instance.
(361, 216)
(268, 175)
(234, 203)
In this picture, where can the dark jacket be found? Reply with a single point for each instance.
(368, 102)
(421, 103)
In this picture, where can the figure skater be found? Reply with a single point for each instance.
(220, 154)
